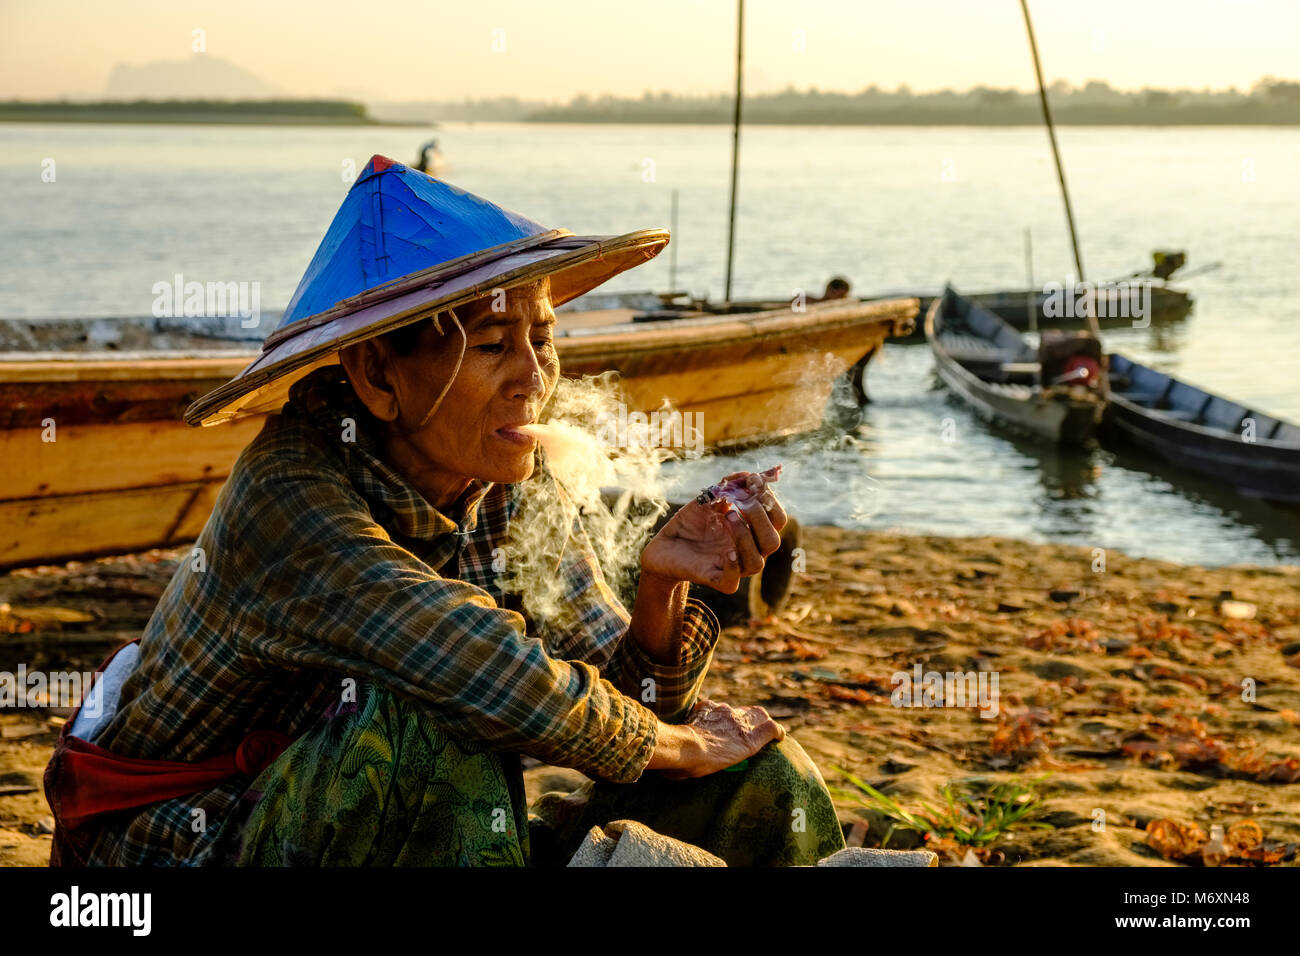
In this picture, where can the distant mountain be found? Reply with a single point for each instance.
(202, 76)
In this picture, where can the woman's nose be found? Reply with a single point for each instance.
(532, 380)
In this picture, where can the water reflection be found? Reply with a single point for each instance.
(917, 459)
(1275, 525)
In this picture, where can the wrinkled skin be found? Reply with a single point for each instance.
(508, 373)
(728, 735)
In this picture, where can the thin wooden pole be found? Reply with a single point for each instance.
(672, 247)
(1056, 153)
(1031, 299)
(735, 147)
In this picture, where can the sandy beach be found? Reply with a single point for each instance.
(1141, 702)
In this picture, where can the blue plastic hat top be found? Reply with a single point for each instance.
(395, 221)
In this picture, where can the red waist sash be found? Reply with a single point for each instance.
(83, 782)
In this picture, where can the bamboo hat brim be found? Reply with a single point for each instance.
(574, 264)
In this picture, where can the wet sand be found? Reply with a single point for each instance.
(1132, 693)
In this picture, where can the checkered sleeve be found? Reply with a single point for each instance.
(326, 588)
(670, 690)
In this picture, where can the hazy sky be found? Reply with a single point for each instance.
(405, 49)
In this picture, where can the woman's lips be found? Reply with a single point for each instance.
(514, 435)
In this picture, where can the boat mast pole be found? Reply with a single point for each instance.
(735, 148)
(1056, 155)
(1031, 297)
(672, 250)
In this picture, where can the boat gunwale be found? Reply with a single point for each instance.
(1221, 434)
(1217, 435)
(627, 339)
(33, 367)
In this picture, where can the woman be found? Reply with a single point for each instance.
(336, 677)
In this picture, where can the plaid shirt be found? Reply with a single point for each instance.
(320, 563)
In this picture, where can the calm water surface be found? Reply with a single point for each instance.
(892, 209)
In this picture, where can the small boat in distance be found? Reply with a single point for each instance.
(1194, 429)
(1168, 306)
(1049, 392)
(1135, 301)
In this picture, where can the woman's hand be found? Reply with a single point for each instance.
(718, 543)
(714, 737)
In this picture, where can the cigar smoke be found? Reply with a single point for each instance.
(576, 464)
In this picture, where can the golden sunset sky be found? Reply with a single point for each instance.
(410, 50)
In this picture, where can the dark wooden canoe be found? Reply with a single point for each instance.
(997, 373)
(1196, 430)
(1167, 307)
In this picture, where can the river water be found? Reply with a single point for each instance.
(893, 209)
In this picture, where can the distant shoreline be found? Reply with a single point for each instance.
(204, 112)
(1272, 103)
(802, 109)
(922, 122)
(902, 117)
(917, 122)
(187, 120)
(1279, 107)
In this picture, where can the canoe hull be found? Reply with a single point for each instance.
(1063, 422)
(124, 473)
(1275, 477)
(1168, 306)
(755, 378)
(1050, 416)
(1184, 433)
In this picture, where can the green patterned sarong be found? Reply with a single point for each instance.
(379, 783)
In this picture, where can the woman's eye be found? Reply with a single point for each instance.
(496, 348)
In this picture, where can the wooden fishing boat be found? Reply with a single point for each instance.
(1114, 308)
(1168, 306)
(653, 309)
(1003, 379)
(754, 376)
(1201, 432)
(101, 461)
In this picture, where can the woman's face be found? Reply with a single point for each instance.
(507, 375)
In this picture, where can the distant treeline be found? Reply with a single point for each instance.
(188, 111)
(1269, 102)
(501, 109)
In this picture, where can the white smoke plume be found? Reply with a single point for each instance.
(617, 526)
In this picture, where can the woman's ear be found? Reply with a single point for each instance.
(373, 378)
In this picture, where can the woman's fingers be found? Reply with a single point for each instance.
(761, 528)
(761, 491)
(729, 734)
(763, 726)
(775, 513)
(746, 548)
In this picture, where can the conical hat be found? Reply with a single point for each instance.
(404, 246)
